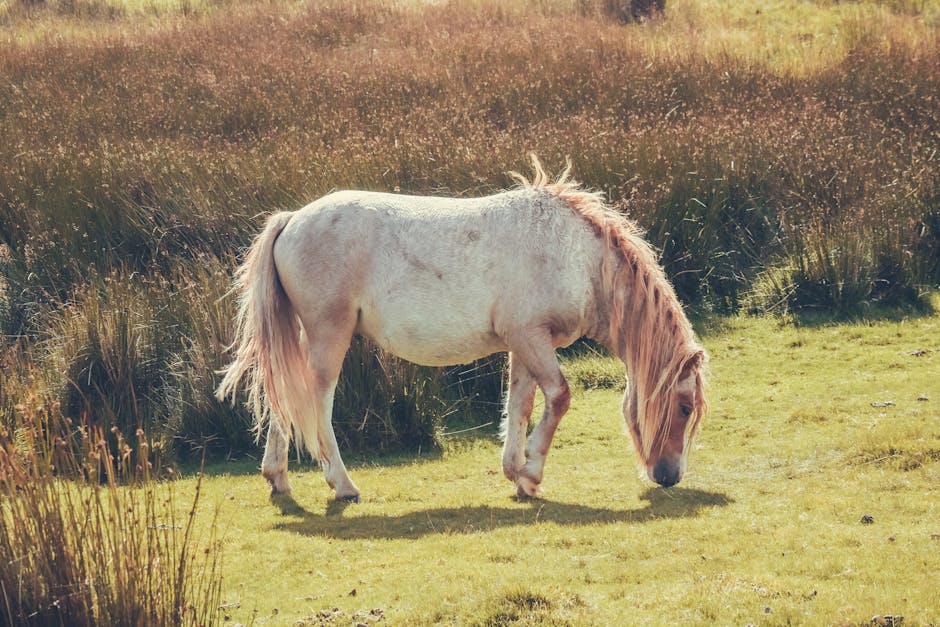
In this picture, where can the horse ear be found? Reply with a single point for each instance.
(694, 361)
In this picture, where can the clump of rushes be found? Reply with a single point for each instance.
(79, 548)
(203, 317)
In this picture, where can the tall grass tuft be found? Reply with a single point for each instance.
(202, 312)
(714, 227)
(385, 404)
(844, 267)
(78, 548)
(132, 353)
(832, 270)
(111, 348)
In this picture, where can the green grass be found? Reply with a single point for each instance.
(783, 156)
(765, 529)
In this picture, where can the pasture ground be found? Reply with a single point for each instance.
(812, 497)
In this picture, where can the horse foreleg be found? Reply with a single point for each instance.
(557, 399)
(518, 410)
(274, 463)
(538, 357)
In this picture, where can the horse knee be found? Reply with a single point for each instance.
(560, 399)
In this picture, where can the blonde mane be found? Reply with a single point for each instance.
(648, 328)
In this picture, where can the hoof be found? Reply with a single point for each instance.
(350, 498)
(279, 490)
(526, 488)
(275, 492)
(287, 504)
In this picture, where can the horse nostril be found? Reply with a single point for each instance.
(666, 473)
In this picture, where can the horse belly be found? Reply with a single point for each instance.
(429, 331)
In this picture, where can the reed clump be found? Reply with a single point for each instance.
(80, 547)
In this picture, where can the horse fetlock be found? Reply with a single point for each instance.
(529, 478)
(344, 487)
(534, 461)
(512, 464)
(274, 467)
(278, 481)
(349, 493)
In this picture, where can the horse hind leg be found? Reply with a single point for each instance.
(334, 470)
(326, 351)
(274, 463)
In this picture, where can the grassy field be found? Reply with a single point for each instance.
(766, 529)
(783, 156)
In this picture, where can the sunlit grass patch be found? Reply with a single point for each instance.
(768, 525)
(521, 606)
(896, 441)
(592, 369)
(915, 456)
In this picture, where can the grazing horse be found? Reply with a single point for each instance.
(442, 281)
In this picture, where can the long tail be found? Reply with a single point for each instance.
(268, 347)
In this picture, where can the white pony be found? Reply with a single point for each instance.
(442, 281)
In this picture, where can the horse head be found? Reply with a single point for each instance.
(664, 424)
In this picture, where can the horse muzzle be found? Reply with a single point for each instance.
(666, 472)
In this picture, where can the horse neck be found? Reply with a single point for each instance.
(646, 331)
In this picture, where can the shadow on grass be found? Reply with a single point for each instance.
(927, 307)
(252, 465)
(334, 523)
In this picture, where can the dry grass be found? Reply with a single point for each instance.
(781, 156)
(691, 122)
(77, 548)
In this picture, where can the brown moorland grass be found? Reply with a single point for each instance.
(79, 548)
(781, 158)
(124, 148)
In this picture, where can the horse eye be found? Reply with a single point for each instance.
(686, 410)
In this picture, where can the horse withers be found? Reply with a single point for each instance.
(443, 281)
